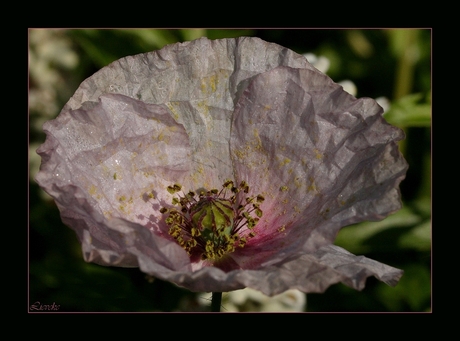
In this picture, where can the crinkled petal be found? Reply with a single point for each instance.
(198, 81)
(310, 273)
(321, 158)
(356, 269)
(108, 161)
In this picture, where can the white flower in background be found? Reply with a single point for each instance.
(248, 299)
(50, 55)
(34, 160)
(349, 87)
(321, 62)
(384, 103)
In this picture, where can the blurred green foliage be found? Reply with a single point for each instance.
(392, 63)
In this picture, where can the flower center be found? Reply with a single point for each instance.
(213, 223)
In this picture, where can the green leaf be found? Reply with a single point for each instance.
(412, 291)
(408, 112)
(192, 34)
(367, 236)
(151, 39)
(418, 238)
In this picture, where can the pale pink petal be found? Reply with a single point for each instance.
(310, 273)
(198, 81)
(321, 158)
(112, 159)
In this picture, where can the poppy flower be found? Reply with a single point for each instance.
(223, 164)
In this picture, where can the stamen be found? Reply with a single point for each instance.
(174, 189)
(211, 224)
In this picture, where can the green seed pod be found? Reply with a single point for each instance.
(213, 216)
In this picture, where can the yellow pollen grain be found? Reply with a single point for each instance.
(173, 110)
(284, 188)
(285, 162)
(282, 213)
(204, 107)
(209, 84)
(240, 154)
(312, 186)
(92, 190)
(118, 173)
(105, 170)
(213, 80)
(147, 174)
(318, 155)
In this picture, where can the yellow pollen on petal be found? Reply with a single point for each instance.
(312, 186)
(209, 84)
(172, 108)
(92, 190)
(285, 161)
(318, 155)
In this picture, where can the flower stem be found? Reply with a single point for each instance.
(216, 301)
